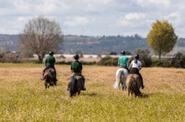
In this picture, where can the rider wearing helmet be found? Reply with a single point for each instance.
(76, 68)
(123, 60)
(135, 67)
(50, 63)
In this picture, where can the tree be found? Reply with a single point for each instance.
(40, 35)
(161, 38)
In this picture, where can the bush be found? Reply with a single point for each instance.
(10, 57)
(108, 61)
(178, 61)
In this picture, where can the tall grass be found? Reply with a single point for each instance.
(23, 97)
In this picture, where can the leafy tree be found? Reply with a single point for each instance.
(161, 38)
(40, 35)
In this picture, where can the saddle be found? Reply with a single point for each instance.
(78, 77)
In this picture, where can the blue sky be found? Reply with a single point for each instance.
(94, 17)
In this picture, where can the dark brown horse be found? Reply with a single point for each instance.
(75, 84)
(133, 83)
(49, 78)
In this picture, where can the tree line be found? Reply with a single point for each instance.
(41, 35)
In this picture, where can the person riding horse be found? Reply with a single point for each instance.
(76, 68)
(123, 60)
(122, 72)
(49, 63)
(135, 67)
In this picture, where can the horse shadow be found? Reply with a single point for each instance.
(146, 95)
(93, 94)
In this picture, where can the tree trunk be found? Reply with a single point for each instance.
(160, 56)
(40, 58)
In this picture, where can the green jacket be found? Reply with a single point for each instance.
(123, 61)
(50, 61)
(76, 67)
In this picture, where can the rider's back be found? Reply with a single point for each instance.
(123, 61)
(136, 64)
(76, 67)
(50, 61)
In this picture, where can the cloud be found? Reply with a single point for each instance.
(94, 17)
(132, 20)
(76, 21)
(153, 2)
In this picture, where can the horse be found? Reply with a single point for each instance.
(49, 78)
(121, 75)
(75, 84)
(133, 83)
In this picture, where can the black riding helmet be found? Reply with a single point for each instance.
(76, 57)
(137, 57)
(51, 52)
(123, 52)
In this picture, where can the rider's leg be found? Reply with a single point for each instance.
(83, 82)
(55, 72)
(142, 84)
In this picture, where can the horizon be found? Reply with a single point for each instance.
(94, 35)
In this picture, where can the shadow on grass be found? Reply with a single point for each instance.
(93, 94)
(147, 95)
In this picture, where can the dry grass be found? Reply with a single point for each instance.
(23, 97)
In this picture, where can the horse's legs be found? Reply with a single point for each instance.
(79, 92)
(46, 85)
(55, 83)
(129, 92)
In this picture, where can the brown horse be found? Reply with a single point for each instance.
(133, 83)
(75, 84)
(49, 77)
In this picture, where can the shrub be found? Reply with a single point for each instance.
(178, 60)
(108, 61)
(10, 57)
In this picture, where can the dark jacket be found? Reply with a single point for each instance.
(50, 61)
(76, 67)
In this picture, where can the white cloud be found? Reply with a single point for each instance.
(132, 20)
(153, 2)
(76, 21)
(94, 17)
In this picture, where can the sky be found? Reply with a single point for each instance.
(94, 17)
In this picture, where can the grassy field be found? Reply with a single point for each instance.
(23, 97)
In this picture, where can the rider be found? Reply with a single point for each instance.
(76, 68)
(135, 67)
(123, 60)
(49, 63)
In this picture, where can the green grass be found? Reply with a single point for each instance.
(25, 99)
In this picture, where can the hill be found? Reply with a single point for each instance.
(92, 44)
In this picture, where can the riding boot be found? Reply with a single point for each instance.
(55, 74)
(83, 83)
(142, 84)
